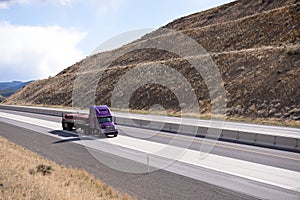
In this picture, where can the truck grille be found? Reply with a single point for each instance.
(110, 128)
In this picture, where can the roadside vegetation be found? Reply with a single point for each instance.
(26, 175)
(254, 44)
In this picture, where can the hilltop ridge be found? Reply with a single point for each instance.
(254, 43)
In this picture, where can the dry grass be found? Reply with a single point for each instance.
(26, 175)
(254, 44)
(266, 121)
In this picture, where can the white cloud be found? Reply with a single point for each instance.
(65, 2)
(33, 52)
(104, 7)
(5, 4)
(107, 6)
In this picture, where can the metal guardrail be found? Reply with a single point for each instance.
(259, 139)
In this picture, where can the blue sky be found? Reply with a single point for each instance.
(39, 38)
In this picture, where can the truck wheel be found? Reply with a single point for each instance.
(70, 127)
(65, 126)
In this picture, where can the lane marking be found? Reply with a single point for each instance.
(197, 140)
(262, 173)
(253, 171)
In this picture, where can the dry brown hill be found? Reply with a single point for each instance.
(255, 44)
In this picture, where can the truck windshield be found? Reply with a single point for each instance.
(104, 119)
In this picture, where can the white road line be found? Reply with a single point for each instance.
(262, 173)
(235, 126)
(35, 121)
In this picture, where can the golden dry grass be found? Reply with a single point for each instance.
(19, 178)
(254, 44)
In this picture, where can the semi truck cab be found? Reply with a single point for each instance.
(99, 120)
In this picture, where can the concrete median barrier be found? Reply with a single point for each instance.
(188, 129)
(260, 138)
(298, 144)
(265, 139)
(285, 142)
(229, 135)
(246, 137)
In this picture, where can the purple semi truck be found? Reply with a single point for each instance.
(98, 121)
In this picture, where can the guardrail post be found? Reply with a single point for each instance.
(148, 163)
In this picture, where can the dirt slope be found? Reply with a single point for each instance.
(255, 44)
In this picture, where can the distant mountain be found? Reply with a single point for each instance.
(9, 88)
(2, 98)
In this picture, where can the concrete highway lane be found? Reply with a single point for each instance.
(184, 179)
(156, 185)
(266, 156)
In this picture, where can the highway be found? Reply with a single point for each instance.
(229, 171)
(257, 128)
(284, 138)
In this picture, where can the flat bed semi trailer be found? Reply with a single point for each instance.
(98, 121)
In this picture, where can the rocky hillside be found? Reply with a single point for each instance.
(254, 43)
